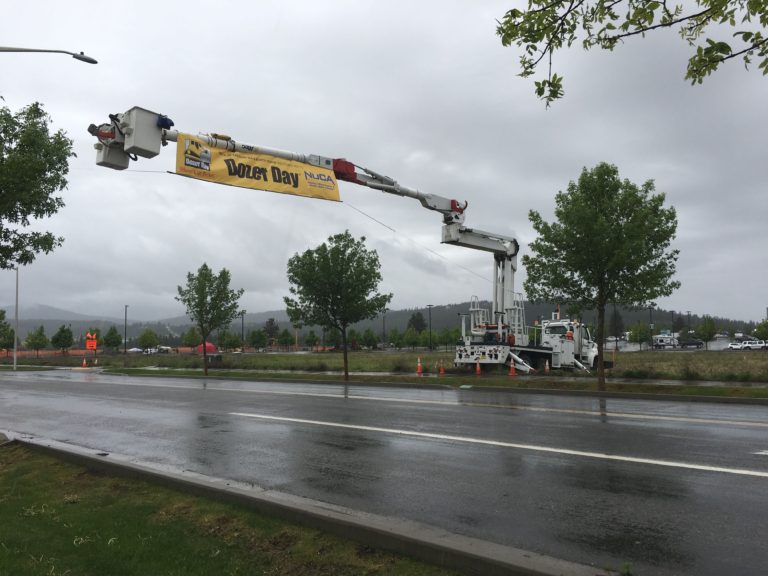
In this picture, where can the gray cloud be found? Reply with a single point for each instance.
(423, 92)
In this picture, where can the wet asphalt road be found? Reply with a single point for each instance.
(668, 487)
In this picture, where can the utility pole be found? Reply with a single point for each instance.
(384, 329)
(125, 332)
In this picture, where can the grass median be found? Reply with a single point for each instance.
(60, 519)
(744, 373)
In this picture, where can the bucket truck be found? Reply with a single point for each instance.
(495, 336)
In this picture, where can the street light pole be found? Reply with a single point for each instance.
(650, 309)
(76, 55)
(125, 332)
(384, 329)
(16, 326)
(242, 328)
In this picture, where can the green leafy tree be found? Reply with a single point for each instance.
(417, 322)
(610, 243)
(706, 330)
(549, 25)
(353, 339)
(63, 339)
(311, 339)
(148, 339)
(334, 286)
(258, 338)
(678, 324)
(448, 337)
(272, 330)
(425, 340)
(616, 324)
(113, 339)
(333, 338)
(4, 325)
(33, 166)
(395, 338)
(640, 333)
(36, 340)
(411, 338)
(761, 331)
(191, 337)
(370, 339)
(285, 339)
(229, 340)
(210, 303)
(7, 334)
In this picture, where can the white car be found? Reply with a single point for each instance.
(734, 346)
(753, 345)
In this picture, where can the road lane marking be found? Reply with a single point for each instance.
(761, 453)
(500, 444)
(513, 407)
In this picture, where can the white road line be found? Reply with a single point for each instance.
(689, 420)
(761, 453)
(532, 447)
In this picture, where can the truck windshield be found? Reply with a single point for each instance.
(556, 330)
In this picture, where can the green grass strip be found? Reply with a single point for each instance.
(60, 519)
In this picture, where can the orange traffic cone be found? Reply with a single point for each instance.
(512, 371)
(477, 368)
(546, 366)
(85, 364)
(418, 367)
(442, 369)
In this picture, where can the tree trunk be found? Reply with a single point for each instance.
(600, 346)
(205, 355)
(344, 349)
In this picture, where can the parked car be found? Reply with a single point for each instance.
(753, 345)
(734, 346)
(690, 343)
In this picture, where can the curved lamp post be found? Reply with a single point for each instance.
(76, 55)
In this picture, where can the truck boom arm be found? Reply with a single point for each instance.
(140, 132)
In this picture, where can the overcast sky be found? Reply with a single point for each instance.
(421, 91)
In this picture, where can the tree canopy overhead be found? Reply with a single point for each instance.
(33, 166)
(549, 25)
(610, 243)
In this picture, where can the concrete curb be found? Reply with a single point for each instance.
(428, 543)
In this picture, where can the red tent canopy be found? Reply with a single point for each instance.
(208, 348)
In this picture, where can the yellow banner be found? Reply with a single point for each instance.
(194, 158)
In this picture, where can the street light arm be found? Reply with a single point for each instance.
(76, 55)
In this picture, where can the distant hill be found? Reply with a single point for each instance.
(442, 316)
(43, 312)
